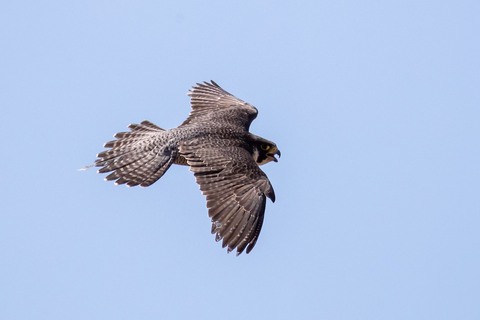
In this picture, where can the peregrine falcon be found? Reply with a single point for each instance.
(224, 156)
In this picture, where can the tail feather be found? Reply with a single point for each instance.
(122, 159)
(157, 173)
(139, 157)
(143, 172)
(147, 125)
(138, 133)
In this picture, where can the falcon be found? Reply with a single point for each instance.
(223, 155)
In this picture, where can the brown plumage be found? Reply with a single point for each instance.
(224, 156)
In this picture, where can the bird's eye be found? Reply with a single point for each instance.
(265, 147)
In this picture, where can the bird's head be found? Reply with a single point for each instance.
(264, 151)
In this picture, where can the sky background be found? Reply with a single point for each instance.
(375, 106)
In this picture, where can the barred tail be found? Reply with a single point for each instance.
(139, 157)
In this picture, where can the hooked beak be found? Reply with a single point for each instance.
(272, 155)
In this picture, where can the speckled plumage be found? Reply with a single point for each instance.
(215, 142)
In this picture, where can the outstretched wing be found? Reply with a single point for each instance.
(235, 188)
(211, 103)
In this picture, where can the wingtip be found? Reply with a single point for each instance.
(271, 195)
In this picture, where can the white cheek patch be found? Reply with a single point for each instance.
(267, 160)
(255, 154)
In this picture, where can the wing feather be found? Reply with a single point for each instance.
(235, 188)
(210, 102)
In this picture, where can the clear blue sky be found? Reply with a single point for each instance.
(375, 106)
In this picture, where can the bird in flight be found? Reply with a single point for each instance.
(224, 156)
